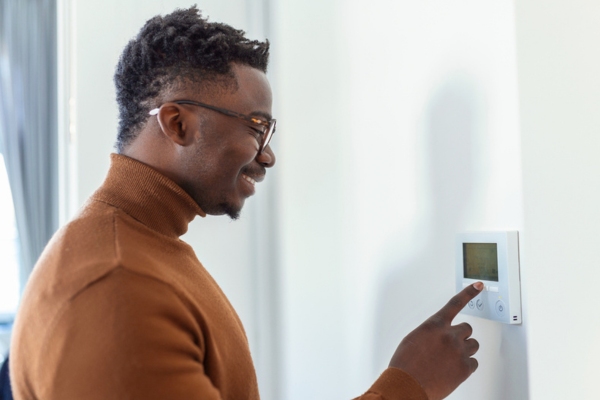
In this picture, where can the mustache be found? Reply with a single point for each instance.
(258, 170)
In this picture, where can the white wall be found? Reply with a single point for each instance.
(559, 85)
(399, 128)
(312, 202)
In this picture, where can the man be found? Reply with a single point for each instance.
(118, 307)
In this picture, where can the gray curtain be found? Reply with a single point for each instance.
(28, 120)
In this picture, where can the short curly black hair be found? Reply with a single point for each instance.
(173, 49)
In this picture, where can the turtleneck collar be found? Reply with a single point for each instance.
(148, 196)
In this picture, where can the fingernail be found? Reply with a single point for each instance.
(478, 286)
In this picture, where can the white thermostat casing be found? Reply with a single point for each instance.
(492, 258)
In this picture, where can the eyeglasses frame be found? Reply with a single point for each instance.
(269, 125)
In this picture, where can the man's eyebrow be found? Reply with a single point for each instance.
(262, 114)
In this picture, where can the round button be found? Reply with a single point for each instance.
(479, 304)
(471, 304)
(500, 308)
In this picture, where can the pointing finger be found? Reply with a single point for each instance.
(459, 301)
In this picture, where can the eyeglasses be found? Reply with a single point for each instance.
(265, 133)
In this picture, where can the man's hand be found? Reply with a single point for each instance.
(437, 354)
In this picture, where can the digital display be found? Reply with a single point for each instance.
(481, 261)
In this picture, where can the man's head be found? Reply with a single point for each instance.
(176, 64)
(175, 50)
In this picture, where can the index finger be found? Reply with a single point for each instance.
(459, 301)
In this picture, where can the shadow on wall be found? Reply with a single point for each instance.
(415, 284)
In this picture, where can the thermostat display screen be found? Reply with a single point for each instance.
(481, 261)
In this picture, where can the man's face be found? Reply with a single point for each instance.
(220, 170)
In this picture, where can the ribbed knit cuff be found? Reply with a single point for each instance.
(395, 384)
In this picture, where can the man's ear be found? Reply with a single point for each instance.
(175, 123)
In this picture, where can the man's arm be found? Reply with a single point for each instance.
(437, 355)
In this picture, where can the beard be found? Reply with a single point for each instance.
(224, 207)
(217, 205)
(231, 211)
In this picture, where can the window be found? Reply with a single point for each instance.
(9, 250)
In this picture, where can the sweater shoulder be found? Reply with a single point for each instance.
(81, 251)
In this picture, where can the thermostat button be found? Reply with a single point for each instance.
(479, 304)
(500, 308)
(493, 289)
(471, 304)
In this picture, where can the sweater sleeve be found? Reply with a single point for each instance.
(394, 384)
(126, 336)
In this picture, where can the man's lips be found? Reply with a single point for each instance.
(253, 179)
(253, 175)
(248, 179)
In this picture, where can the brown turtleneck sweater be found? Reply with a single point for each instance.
(118, 307)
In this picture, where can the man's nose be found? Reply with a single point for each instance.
(267, 157)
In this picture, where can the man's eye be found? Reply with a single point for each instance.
(256, 132)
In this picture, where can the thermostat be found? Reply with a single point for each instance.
(492, 258)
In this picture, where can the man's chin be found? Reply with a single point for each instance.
(234, 215)
(225, 208)
(232, 211)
